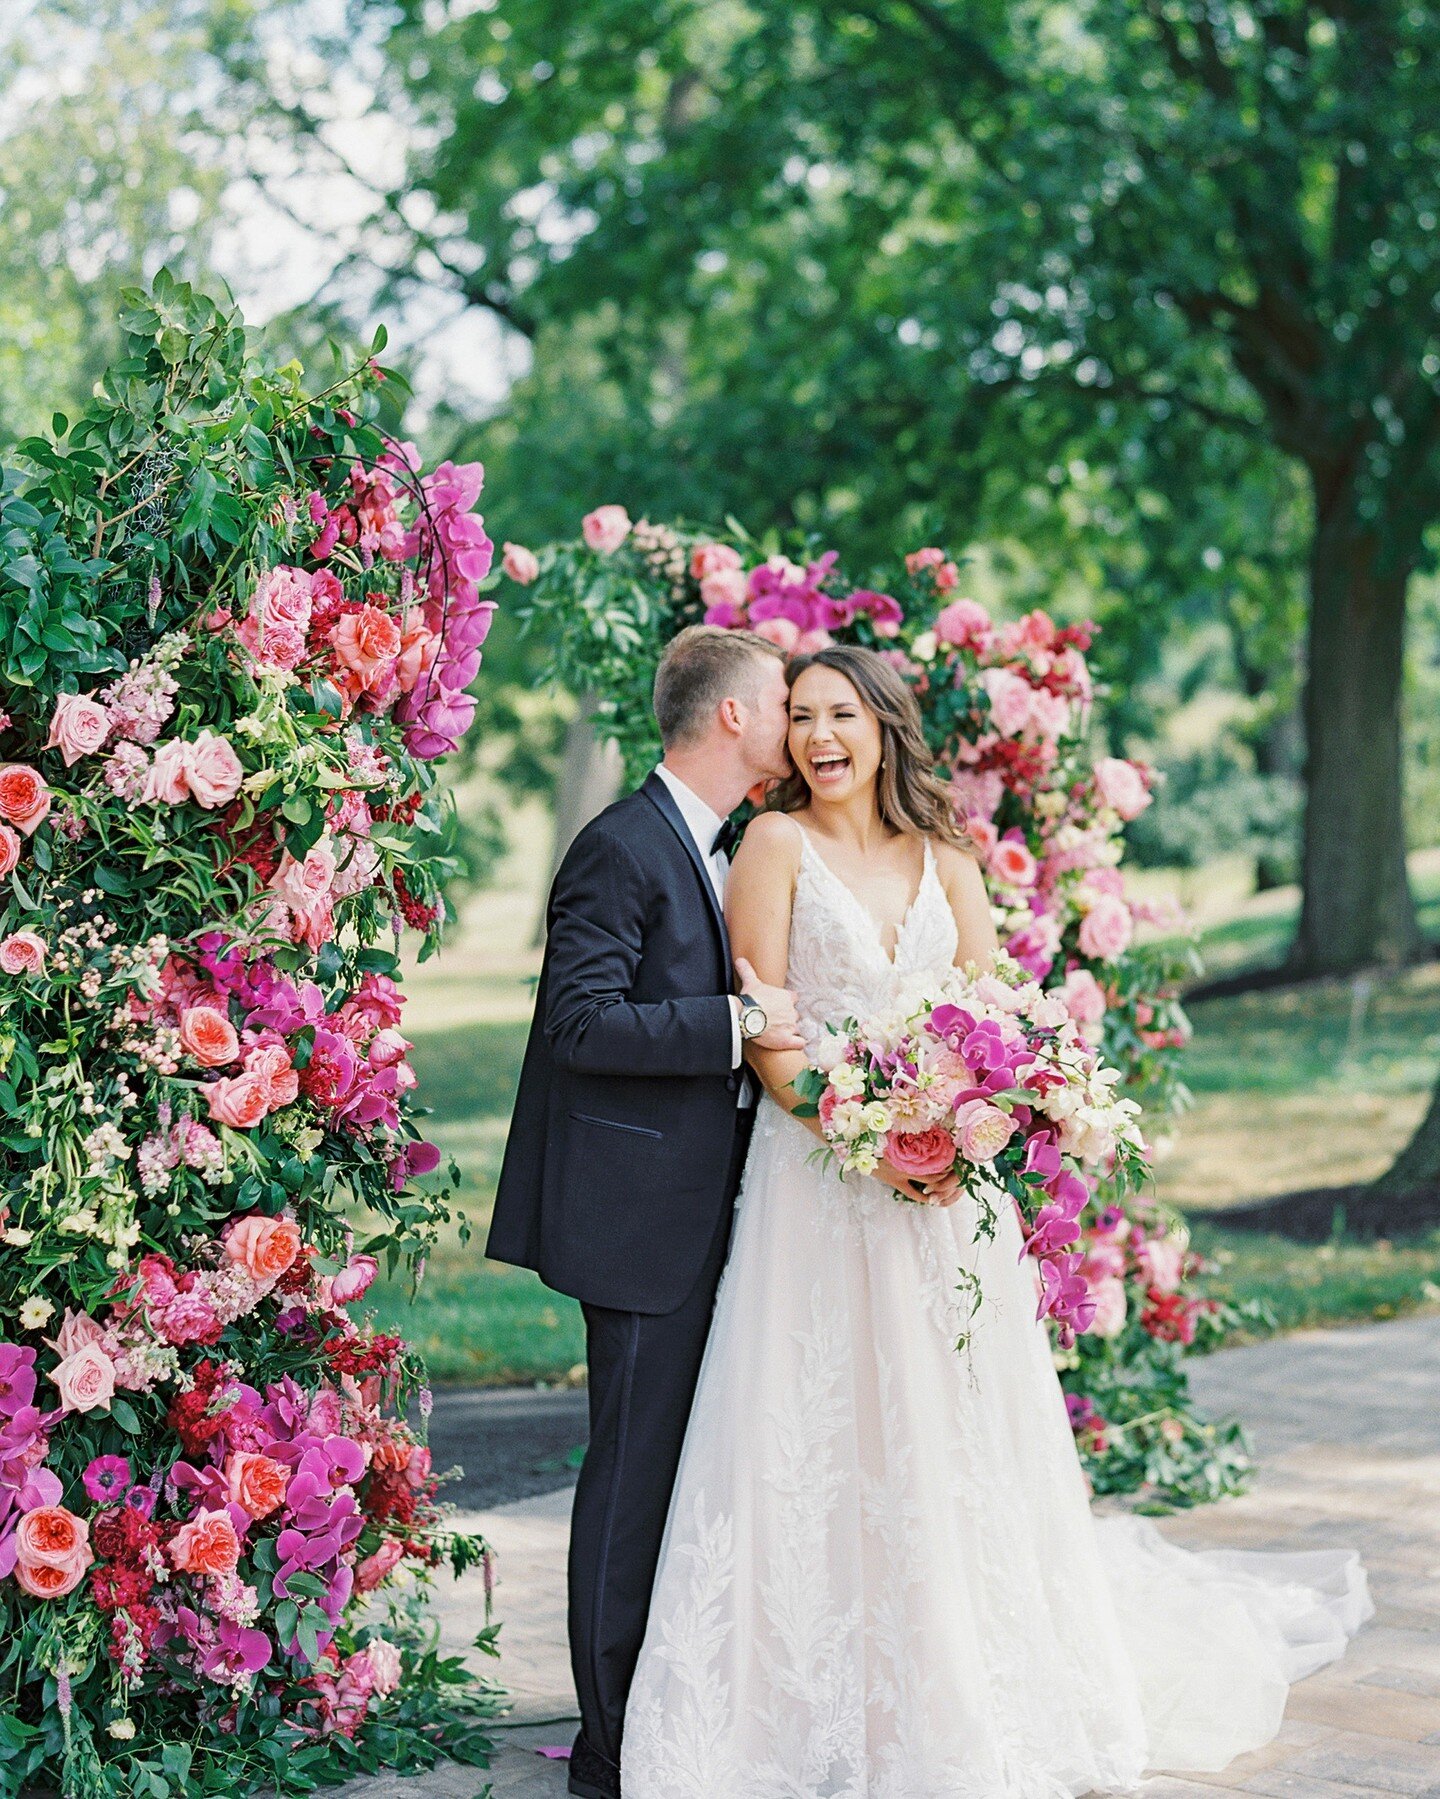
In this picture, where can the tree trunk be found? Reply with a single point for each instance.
(1417, 1167)
(590, 776)
(1357, 908)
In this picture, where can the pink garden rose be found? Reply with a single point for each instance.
(712, 558)
(52, 1551)
(947, 576)
(263, 1247)
(9, 850)
(920, 1155)
(22, 952)
(1121, 786)
(86, 1380)
(964, 622)
(1012, 864)
(305, 885)
(520, 564)
(377, 1665)
(378, 1566)
(606, 528)
(78, 728)
(24, 797)
(1011, 698)
(983, 1130)
(419, 646)
(208, 1036)
(270, 1065)
(1083, 997)
(367, 643)
(212, 770)
(256, 1483)
(1106, 929)
(165, 783)
(784, 633)
(1110, 1308)
(78, 1329)
(1163, 1259)
(238, 1100)
(724, 587)
(353, 1281)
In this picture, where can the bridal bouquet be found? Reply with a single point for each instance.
(989, 1077)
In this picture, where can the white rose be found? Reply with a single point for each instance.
(924, 647)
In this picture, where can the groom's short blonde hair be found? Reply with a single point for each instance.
(703, 665)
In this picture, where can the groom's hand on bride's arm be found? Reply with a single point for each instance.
(782, 1025)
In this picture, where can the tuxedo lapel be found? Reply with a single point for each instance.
(659, 796)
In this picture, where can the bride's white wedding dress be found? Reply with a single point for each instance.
(881, 1578)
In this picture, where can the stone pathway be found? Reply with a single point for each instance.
(1347, 1428)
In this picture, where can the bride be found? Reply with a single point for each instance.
(881, 1578)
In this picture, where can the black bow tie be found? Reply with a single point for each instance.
(725, 839)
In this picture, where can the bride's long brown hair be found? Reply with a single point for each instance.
(911, 796)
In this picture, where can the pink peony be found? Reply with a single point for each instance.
(24, 797)
(606, 528)
(1083, 997)
(1106, 929)
(1121, 786)
(377, 1665)
(920, 1155)
(983, 1130)
(354, 1280)
(1012, 864)
(964, 623)
(85, 1380)
(1163, 1259)
(520, 564)
(725, 587)
(78, 728)
(22, 952)
(1011, 699)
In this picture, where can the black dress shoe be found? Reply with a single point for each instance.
(591, 1775)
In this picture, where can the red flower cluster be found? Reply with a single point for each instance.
(123, 1583)
(196, 1417)
(415, 912)
(364, 1355)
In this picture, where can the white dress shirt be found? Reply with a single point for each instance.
(702, 822)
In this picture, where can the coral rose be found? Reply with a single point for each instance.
(419, 646)
(85, 1380)
(712, 558)
(270, 1064)
(256, 1483)
(367, 643)
(208, 1036)
(520, 564)
(78, 727)
(237, 1100)
(606, 528)
(920, 1155)
(22, 952)
(52, 1551)
(43, 1582)
(24, 797)
(207, 1544)
(264, 1247)
(9, 850)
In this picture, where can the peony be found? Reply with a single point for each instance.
(1012, 864)
(1011, 700)
(256, 1483)
(24, 797)
(606, 528)
(85, 1380)
(208, 1036)
(22, 952)
(725, 587)
(380, 1665)
(1163, 1259)
(1083, 997)
(263, 1247)
(212, 770)
(207, 1544)
(1110, 1308)
(367, 643)
(78, 728)
(237, 1100)
(983, 1130)
(964, 622)
(1106, 929)
(920, 1155)
(520, 564)
(1121, 786)
(9, 850)
(354, 1280)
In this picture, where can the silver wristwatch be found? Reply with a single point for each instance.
(752, 1018)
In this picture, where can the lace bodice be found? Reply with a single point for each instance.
(838, 966)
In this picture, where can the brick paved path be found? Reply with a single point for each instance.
(1347, 1428)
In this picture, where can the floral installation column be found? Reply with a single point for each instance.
(238, 626)
(1008, 710)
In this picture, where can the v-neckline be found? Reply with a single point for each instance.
(876, 927)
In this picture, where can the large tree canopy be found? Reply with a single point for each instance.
(1080, 274)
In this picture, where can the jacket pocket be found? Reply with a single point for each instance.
(611, 1124)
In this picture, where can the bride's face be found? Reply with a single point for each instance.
(834, 736)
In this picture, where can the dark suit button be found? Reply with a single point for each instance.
(732, 1081)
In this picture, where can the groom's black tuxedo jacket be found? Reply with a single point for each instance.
(615, 1172)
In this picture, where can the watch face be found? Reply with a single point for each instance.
(752, 1021)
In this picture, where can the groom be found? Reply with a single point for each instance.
(630, 1131)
